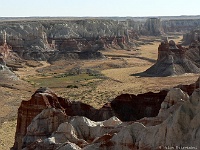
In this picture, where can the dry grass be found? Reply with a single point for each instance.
(7, 132)
(9, 103)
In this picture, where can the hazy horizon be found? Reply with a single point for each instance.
(103, 8)
(92, 16)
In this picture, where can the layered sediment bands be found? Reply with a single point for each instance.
(174, 59)
(129, 107)
(44, 98)
(180, 25)
(177, 125)
(126, 107)
(191, 37)
(58, 39)
(153, 27)
(41, 40)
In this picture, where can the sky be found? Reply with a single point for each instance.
(98, 8)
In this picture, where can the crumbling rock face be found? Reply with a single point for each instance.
(129, 107)
(5, 73)
(41, 40)
(189, 89)
(43, 125)
(143, 105)
(192, 36)
(77, 130)
(56, 114)
(178, 127)
(180, 25)
(44, 98)
(152, 27)
(173, 60)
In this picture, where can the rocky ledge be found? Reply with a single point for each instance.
(145, 121)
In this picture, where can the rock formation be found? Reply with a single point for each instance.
(174, 60)
(180, 25)
(142, 105)
(44, 98)
(192, 38)
(42, 40)
(152, 27)
(5, 73)
(176, 126)
(56, 114)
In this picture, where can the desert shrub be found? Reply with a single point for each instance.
(61, 75)
(72, 86)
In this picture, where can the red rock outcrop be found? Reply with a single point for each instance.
(176, 126)
(126, 107)
(172, 60)
(44, 98)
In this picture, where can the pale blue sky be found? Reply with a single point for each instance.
(80, 8)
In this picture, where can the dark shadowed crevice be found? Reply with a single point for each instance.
(129, 107)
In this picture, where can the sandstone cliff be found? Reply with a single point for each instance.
(142, 105)
(46, 120)
(180, 25)
(191, 37)
(174, 60)
(41, 40)
(152, 27)
(176, 126)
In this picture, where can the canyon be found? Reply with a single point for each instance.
(99, 83)
(51, 40)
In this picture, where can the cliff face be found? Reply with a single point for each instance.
(143, 105)
(44, 98)
(191, 37)
(153, 27)
(174, 60)
(41, 40)
(48, 121)
(5, 73)
(44, 39)
(180, 25)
